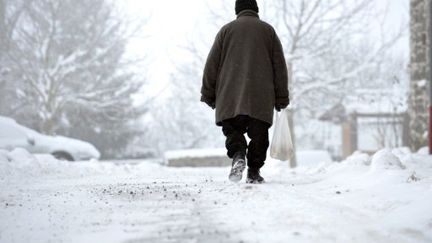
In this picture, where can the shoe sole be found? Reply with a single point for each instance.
(250, 181)
(236, 173)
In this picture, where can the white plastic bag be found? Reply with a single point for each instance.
(282, 147)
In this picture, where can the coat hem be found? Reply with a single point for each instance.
(219, 121)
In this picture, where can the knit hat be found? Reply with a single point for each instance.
(246, 4)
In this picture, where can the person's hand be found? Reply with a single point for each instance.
(212, 105)
(279, 107)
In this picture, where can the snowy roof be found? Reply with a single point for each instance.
(340, 112)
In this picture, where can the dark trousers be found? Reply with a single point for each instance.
(234, 130)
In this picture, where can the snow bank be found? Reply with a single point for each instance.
(424, 151)
(22, 165)
(358, 158)
(386, 160)
(194, 153)
(3, 156)
(401, 152)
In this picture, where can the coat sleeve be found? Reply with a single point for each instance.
(208, 90)
(280, 73)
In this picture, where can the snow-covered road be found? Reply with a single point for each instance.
(339, 202)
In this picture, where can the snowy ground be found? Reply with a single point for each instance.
(387, 198)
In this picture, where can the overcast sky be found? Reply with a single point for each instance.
(170, 25)
(173, 23)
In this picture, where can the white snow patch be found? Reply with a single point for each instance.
(194, 153)
(55, 201)
(421, 83)
(386, 160)
(424, 151)
(358, 158)
(19, 164)
(401, 152)
(417, 162)
(3, 156)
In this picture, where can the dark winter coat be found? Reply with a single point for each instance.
(246, 73)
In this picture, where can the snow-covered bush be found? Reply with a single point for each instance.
(401, 152)
(358, 158)
(386, 160)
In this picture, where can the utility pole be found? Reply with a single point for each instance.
(430, 76)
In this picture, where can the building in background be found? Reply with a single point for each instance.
(367, 128)
(419, 72)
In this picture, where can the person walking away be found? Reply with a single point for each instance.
(245, 78)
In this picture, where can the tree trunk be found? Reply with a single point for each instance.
(48, 127)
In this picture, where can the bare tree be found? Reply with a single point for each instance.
(320, 40)
(66, 58)
(10, 13)
(181, 121)
(323, 33)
